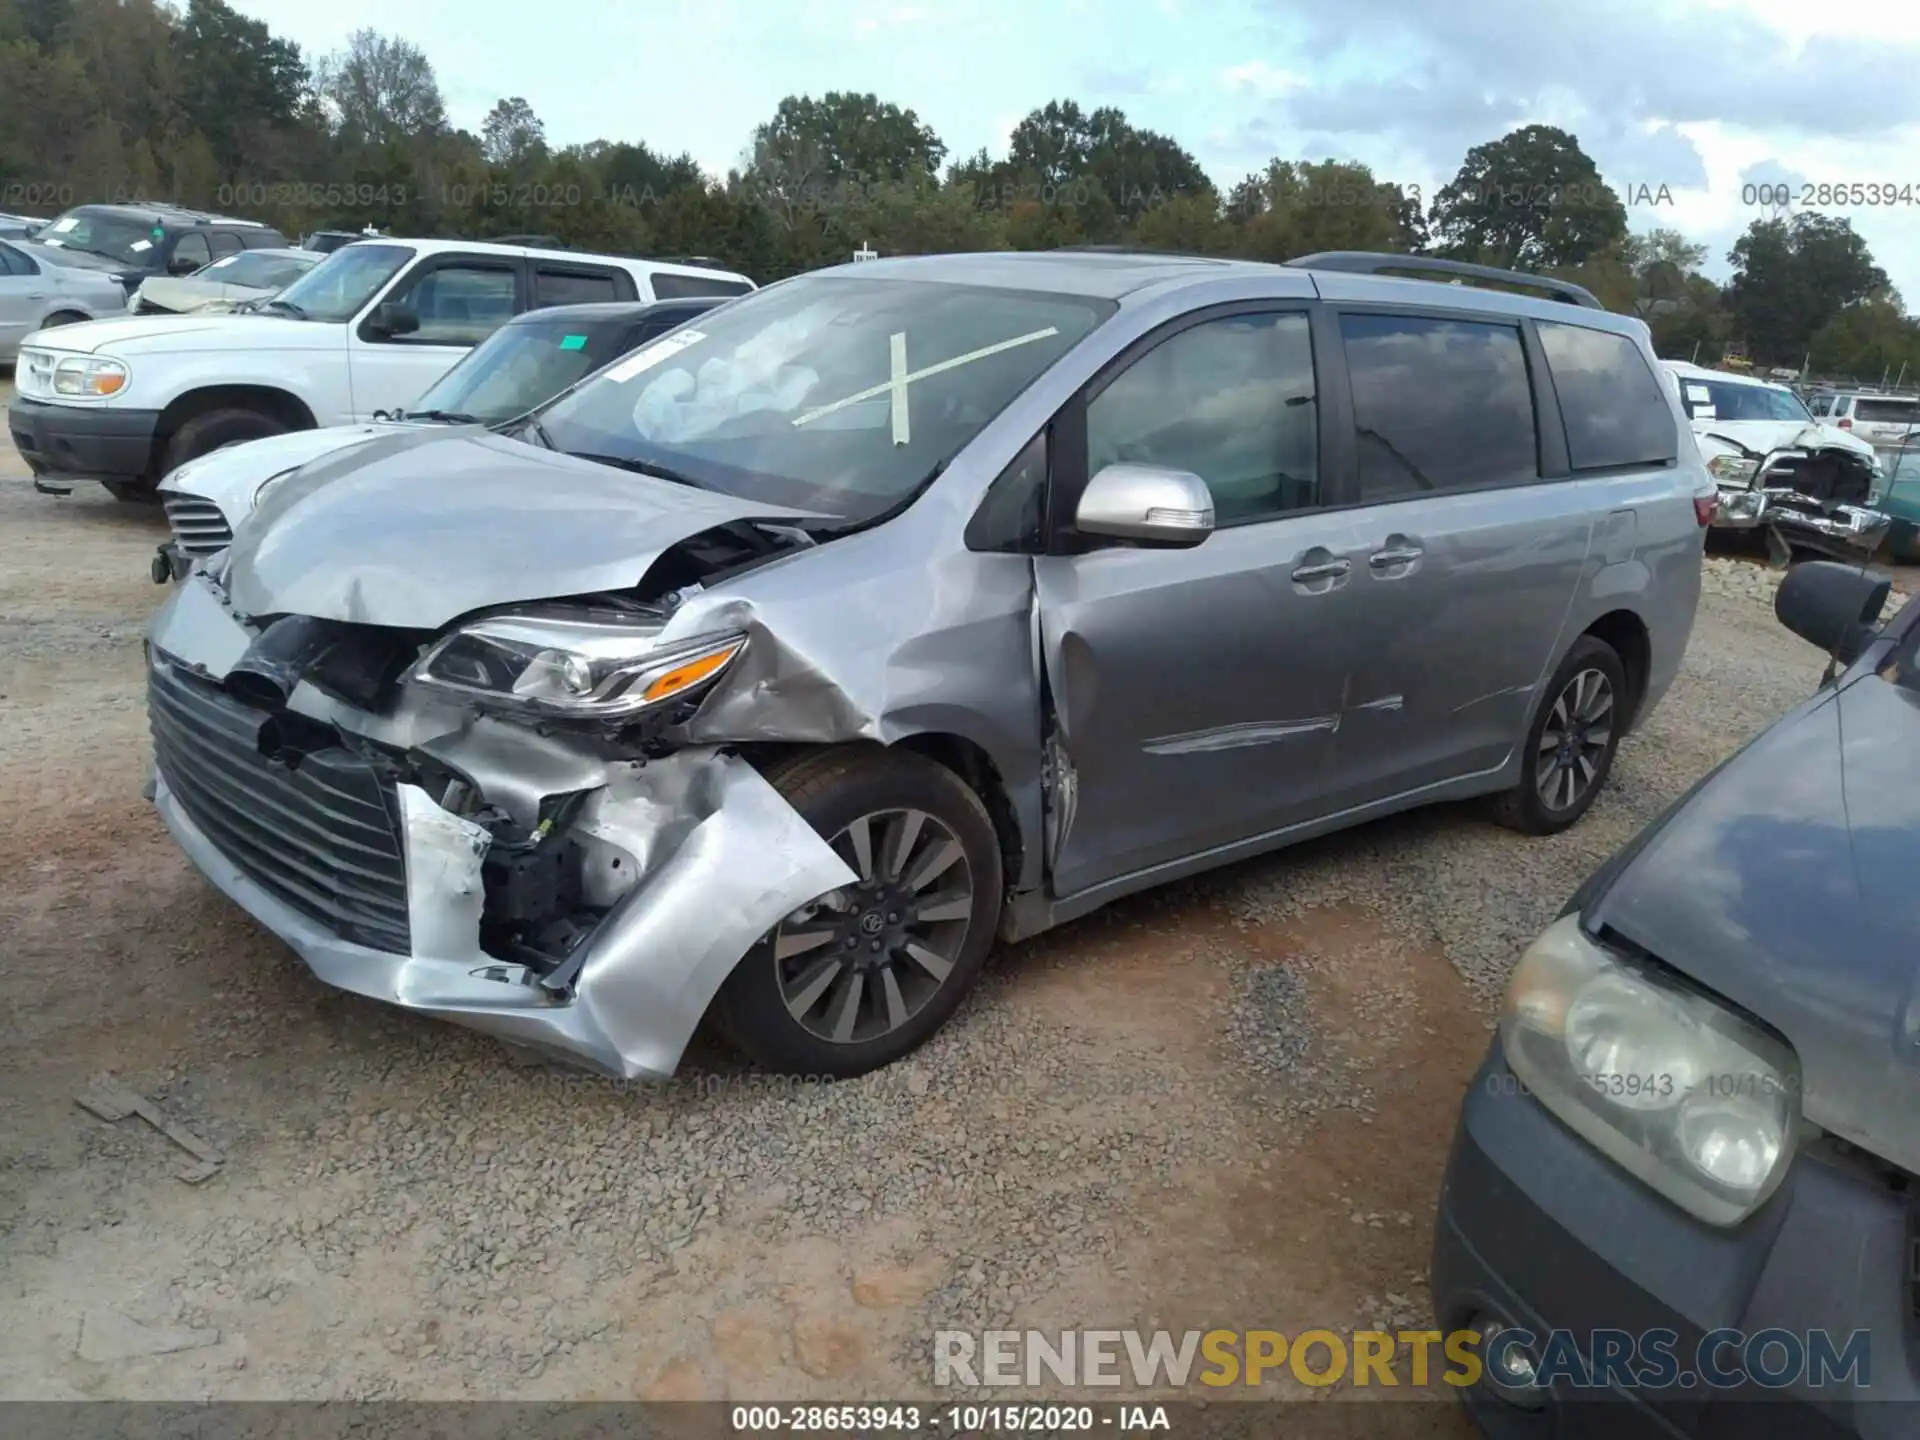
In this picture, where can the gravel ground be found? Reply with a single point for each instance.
(1226, 1103)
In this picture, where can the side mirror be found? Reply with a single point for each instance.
(395, 319)
(1833, 606)
(1148, 503)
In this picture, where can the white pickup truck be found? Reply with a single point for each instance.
(363, 333)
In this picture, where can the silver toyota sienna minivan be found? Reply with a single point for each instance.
(776, 669)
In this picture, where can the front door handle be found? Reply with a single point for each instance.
(1325, 570)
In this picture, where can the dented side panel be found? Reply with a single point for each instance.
(1191, 691)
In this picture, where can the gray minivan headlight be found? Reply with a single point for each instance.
(1690, 1097)
(571, 667)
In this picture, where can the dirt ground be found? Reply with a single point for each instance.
(1223, 1105)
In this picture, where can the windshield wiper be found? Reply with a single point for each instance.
(444, 417)
(287, 305)
(530, 425)
(638, 467)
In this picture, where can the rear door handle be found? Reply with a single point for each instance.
(1387, 559)
(1326, 570)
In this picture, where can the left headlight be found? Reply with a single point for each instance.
(1690, 1097)
(89, 375)
(565, 666)
(1732, 469)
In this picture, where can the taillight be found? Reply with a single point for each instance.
(1846, 424)
(1705, 507)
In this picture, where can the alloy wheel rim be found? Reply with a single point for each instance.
(860, 962)
(1574, 742)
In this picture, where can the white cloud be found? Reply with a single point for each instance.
(1261, 78)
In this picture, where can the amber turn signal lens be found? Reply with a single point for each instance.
(683, 677)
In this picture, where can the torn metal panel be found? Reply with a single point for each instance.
(444, 894)
(719, 859)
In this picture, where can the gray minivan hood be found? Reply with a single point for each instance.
(1788, 885)
(420, 527)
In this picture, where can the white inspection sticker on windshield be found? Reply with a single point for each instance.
(141, 245)
(60, 227)
(648, 356)
(1699, 394)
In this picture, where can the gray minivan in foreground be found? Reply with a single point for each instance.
(1684, 1196)
(780, 667)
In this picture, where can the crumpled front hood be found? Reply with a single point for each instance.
(229, 477)
(1787, 885)
(1766, 435)
(417, 528)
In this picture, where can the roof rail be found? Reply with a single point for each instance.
(530, 242)
(1368, 262)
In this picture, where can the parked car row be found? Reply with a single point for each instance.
(365, 331)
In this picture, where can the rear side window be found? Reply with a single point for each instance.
(191, 250)
(12, 262)
(1610, 401)
(224, 242)
(1439, 405)
(555, 286)
(1886, 412)
(667, 285)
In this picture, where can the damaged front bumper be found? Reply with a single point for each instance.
(686, 861)
(1799, 519)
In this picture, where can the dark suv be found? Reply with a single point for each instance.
(149, 240)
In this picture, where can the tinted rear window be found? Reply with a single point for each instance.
(1887, 412)
(1439, 405)
(668, 285)
(1610, 402)
(577, 287)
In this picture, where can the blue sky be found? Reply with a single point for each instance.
(1703, 97)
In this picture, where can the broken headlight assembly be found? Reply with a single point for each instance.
(1693, 1099)
(572, 666)
(1733, 469)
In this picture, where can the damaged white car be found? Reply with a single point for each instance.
(1803, 485)
(777, 669)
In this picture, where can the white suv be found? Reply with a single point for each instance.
(365, 331)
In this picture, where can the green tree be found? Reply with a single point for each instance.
(235, 80)
(381, 89)
(1865, 341)
(1529, 200)
(1297, 208)
(812, 151)
(1791, 276)
(512, 136)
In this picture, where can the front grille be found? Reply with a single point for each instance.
(324, 839)
(198, 526)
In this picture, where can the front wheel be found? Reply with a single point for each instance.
(859, 977)
(1570, 746)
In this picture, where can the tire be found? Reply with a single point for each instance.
(129, 492)
(1586, 754)
(215, 430)
(786, 1003)
(61, 317)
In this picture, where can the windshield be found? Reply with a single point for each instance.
(1730, 400)
(519, 366)
(257, 270)
(122, 238)
(825, 393)
(337, 288)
